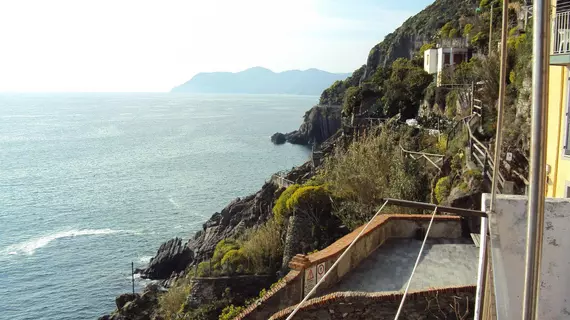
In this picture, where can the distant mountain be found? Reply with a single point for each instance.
(260, 80)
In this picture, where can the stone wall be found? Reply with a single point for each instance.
(448, 303)
(298, 238)
(286, 293)
(307, 269)
(205, 290)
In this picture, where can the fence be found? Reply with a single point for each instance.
(561, 33)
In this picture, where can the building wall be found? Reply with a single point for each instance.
(508, 228)
(430, 61)
(559, 163)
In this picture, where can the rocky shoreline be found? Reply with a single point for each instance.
(175, 256)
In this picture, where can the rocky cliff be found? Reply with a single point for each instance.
(319, 123)
(402, 43)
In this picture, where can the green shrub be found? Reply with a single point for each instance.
(404, 89)
(230, 312)
(263, 247)
(360, 176)
(234, 261)
(453, 33)
(280, 211)
(203, 269)
(352, 99)
(442, 189)
(222, 248)
(171, 303)
(467, 29)
(444, 31)
(425, 47)
(309, 200)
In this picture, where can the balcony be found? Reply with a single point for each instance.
(560, 50)
(561, 33)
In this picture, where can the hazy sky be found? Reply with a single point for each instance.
(124, 45)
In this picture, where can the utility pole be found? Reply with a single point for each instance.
(133, 275)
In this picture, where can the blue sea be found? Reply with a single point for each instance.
(92, 182)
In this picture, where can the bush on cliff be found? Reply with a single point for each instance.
(311, 201)
(405, 89)
(171, 303)
(258, 251)
(373, 168)
(280, 211)
(263, 248)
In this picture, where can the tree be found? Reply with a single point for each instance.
(404, 89)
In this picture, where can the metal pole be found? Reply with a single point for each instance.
(534, 237)
(483, 258)
(440, 209)
(133, 275)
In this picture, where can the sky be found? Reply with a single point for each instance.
(152, 46)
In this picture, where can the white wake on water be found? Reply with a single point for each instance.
(28, 247)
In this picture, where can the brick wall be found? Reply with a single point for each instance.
(298, 282)
(448, 303)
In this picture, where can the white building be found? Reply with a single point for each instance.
(448, 53)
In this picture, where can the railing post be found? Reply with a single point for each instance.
(485, 166)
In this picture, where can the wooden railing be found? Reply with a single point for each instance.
(436, 162)
(483, 158)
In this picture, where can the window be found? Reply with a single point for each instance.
(567, 190)
(446, 59)
(458, 58)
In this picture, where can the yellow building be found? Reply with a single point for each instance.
(558, 128)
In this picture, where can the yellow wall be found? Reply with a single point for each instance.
(556, 135)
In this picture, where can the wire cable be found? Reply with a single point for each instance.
(415, 266)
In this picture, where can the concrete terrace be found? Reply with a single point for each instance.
(444, 263)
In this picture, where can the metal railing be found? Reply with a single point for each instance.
(561, 33)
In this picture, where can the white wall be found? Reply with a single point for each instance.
(430, 61)
(508, 226)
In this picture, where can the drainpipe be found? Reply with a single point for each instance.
(537, 177)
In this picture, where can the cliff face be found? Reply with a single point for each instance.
(319, 123)
(235, 218)
(402, 43)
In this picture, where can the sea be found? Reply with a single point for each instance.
(92, 182)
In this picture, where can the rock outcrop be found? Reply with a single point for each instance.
(319, 123)
(138, 306)
(173, 256)
(278, 138)
(240, 214)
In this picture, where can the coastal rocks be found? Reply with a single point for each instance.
(173, 256)
(235, 218)
(121, 300)
(278, 138)
(136, 306)
(319, 123)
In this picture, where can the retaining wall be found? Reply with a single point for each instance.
(308, 269)
(448, 303)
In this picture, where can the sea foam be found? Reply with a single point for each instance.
(28, 247)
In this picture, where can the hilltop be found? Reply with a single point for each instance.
(260, 80)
